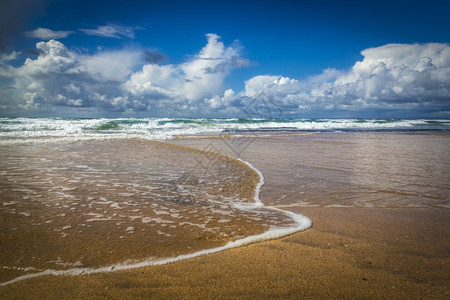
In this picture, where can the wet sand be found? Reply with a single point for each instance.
(369, 169)
(101, 203)
(352, 252)
(348, 253)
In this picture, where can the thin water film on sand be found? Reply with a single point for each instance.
(96, 203)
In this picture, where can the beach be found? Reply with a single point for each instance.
(379, 207)
(224, 149)
(348, 253)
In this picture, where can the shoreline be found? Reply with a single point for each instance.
(350, 252)
(301, 223)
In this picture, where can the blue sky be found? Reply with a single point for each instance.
(370, 59)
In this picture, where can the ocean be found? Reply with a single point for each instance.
(14, 130)
(82, 196)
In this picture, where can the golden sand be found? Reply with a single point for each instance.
(348, 253)
(56, 215)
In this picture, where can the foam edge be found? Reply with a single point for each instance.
(302, 223)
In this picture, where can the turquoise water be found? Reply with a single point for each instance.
(34, 129)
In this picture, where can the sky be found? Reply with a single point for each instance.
(291, 59)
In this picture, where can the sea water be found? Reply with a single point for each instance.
(105, 205)
(13, 130)
(393, 169)
(96, 195)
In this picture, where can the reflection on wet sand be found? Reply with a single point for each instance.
(370, 169)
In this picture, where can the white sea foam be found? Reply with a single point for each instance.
(301, 223)
(32, 130)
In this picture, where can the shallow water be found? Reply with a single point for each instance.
(369, 169)
(90, 204)
(97, 203)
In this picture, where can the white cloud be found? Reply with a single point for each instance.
(64, 78)
(273, 86)
(158, 81)
(204, 74)
(224, 102)
(6, 70)
(394, 77)
(189, 83)
(263, 96)
(112, 31)
(54, 57)
(415, 57)
(118, 80)
(111, 65)
(44, 79)
(7, 57)
(47, 34)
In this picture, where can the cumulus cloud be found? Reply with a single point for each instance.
(397, 76)
(264, 96)
(120, 81)
(204, 74)
(187, 84)
(393, 76)
(156, 83)
(111, 65)
(44, 80)
(226, 101)
(112, 31)
(60, 77)
(47, 34)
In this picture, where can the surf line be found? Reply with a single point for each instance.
(301, 223)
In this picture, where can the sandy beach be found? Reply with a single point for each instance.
(366, 250)
(348, 253)
(224, 149)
